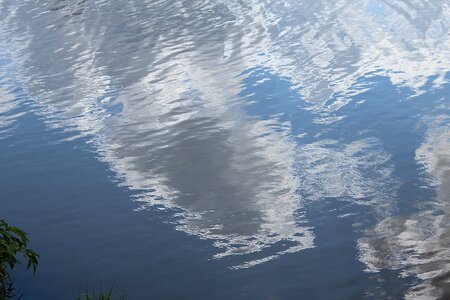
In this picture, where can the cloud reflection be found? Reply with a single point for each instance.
(325, 46)
(154, 86)
(418, 245)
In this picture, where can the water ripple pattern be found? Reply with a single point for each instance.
(169, 94)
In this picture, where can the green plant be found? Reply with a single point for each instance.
(102, 295)
(13, 241)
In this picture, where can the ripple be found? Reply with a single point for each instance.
(156, 85)
(418, 245)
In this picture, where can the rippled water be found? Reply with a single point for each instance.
(229, 149)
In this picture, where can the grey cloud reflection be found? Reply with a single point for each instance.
(169, 125)
(233, 177)
(418, 245)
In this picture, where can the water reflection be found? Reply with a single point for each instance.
(359, 171)
(166, 123)
(9, 101)
(155, 86)
(325, 46)
(7, 105)
(234, 177)
(418, 244)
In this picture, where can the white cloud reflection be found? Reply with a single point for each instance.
(325, 46)
(157, 96)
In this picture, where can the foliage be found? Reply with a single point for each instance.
(13, 242)
(102, 295)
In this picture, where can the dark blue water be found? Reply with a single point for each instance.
(228, 150)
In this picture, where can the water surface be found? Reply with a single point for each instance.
(229, 149)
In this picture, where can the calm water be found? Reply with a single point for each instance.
(239, 149)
